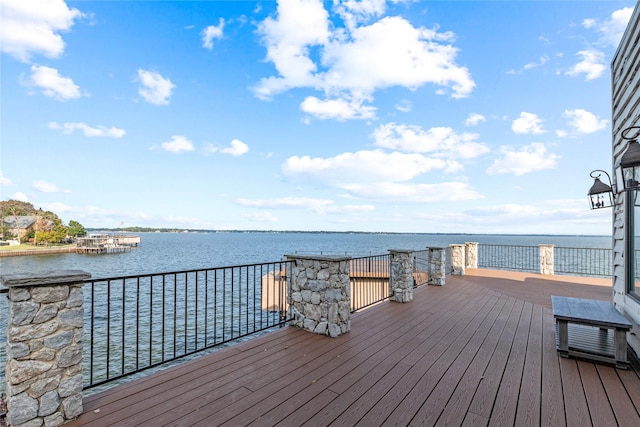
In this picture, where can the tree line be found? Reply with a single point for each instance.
(48, 227)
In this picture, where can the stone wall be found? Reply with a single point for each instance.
(44, 347)
(319, 293)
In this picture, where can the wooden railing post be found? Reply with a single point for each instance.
(44, 347)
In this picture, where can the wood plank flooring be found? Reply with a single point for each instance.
(478, 351)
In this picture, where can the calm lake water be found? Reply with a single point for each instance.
(164, 252)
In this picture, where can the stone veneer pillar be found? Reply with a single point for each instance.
(457, 259)
(471, 255)
(437, 264)
(401, 275)
(320, 296)
(44, 347)
(546, 259)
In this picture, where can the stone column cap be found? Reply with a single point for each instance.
(319, 257)
(43, 278)
(436, 247)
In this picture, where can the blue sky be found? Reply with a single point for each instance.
(398, 116)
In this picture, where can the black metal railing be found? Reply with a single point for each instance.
(595, 262)
(509, 257)
(369, 279)
(583, 261)
(420, 267)
(135, 323)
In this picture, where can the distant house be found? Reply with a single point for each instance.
(19, 225)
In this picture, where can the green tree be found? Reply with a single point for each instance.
(57, 234)
(76, 229)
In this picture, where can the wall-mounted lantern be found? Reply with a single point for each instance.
(627, 174)
(629, 169)
(600, 194)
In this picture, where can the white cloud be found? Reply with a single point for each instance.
(474, 119)
(584, 121)
(154, 88)
(21, 197)
(261, 217)
(354, 12)
(322, 206)
(212, 32)
(237, 148)
(338, 109)
(284, 203)
(364, 167)
(612, 29)
(527, 123)
(543, 60)
(441, 141)
(4, 181)
(47, 187)
(51, 83)
(350, 63)
(413, 192)
(523, 160)
(32, 27)
(592, 65)
(531, 65)
(404, 106)
(177, 144)
(103, 131)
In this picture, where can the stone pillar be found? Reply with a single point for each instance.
(546, 259)
(457, 259)
(471, 254)
(44, 347)
(401, 276)
(320, 295)
(437, 264)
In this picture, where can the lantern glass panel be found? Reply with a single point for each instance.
(631, 177)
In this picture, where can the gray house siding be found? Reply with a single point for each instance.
(625, 82)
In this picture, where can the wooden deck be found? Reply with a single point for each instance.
(478, 351)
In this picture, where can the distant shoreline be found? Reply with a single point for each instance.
(193, 230)
(5, 252)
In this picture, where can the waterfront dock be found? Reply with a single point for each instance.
(480, 350)
(106, 243)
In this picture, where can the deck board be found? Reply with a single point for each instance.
(623, 409)
(552, 411)
(528, 413)
(505, 405)
(469, 353)
(576, 407)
